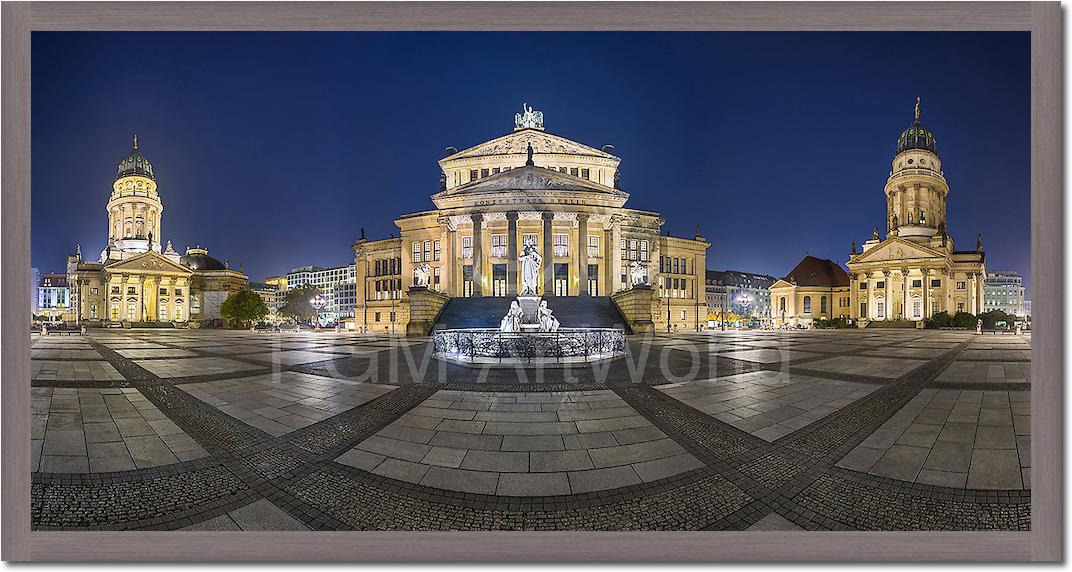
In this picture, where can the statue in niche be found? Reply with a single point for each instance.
(548, 323)
(638, 273)
(530, 261)
(511, 322)
(422, 275)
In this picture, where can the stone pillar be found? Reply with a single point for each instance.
(548, 255)
(615, 258)
(608, 268)
(450, 237)
(478, 254)
(926, 293)
(582, 252)
(905, 314)
(511, 253)
(886, 295)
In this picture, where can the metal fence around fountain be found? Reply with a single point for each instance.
(472, 343)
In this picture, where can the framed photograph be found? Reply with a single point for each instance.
(532, 281)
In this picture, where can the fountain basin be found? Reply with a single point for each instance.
(491, 346)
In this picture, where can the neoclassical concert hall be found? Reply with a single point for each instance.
(532, 188)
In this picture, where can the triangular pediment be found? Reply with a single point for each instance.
(517, 143)
(896, 248)
(149, 263)
(781, 283)
(531, 179)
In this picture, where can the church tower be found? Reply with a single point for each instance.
(916, 190)
(134, 208)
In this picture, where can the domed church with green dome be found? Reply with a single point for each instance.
(136, 279)
(915, 270)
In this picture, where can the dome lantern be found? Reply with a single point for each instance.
(916, 136)
(135, 164)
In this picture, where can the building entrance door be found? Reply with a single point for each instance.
(561, 279)
(498, 280)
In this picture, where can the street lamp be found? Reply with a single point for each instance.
(318, 302)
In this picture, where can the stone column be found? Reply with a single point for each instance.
(450, 268)
(904, 305)
(511, 253)
(887, 310)
(608, 268)
(478, 254)
(582, 252)
(926, 293)
(548, 255)
(615, 258)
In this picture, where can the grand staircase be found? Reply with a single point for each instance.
(571, 311)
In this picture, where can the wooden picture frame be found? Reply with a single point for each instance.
(1041, 19)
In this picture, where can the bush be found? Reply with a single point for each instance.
(836, 323)
(959, 320)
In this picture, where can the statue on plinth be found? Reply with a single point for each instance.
(530, 270)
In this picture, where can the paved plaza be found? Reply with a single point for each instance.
(825, 430)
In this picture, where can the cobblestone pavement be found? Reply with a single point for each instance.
(825, 430)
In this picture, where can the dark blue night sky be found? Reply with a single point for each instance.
(273, 149)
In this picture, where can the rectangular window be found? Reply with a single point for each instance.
(863, 309)
(467, 280)
(498, 245)
(683, 314)
(435, 277)
(643, 251)
(917, 283)
(917, 307)
(677, 266)
(163, 291)
(573, 171)
(132, 290)
(163, 313)
(483, 173)
(495, 171)
(634, 249)
(473, 175)
(561, 169)
(377, 316)
(593, 246)
(863, 285)
(934, 307)
(435, 250)
(427, 250)
(936, 283)
(467, 247)
(92, 290)
(880, 284)
(584, 174)
(93, 311)
(960, 306)
(561, 244)
(593, 280)
(416, 252)
(880, 309)
(961, 285)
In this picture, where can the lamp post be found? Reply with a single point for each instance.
(318, 302)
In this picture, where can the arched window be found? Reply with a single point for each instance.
(781, 304)
(807, 304)
(822, 305)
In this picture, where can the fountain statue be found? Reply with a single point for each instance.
(511, 322)
(548, 323)
(530, 270)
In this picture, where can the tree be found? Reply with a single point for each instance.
(243, 307)
(299, 303)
